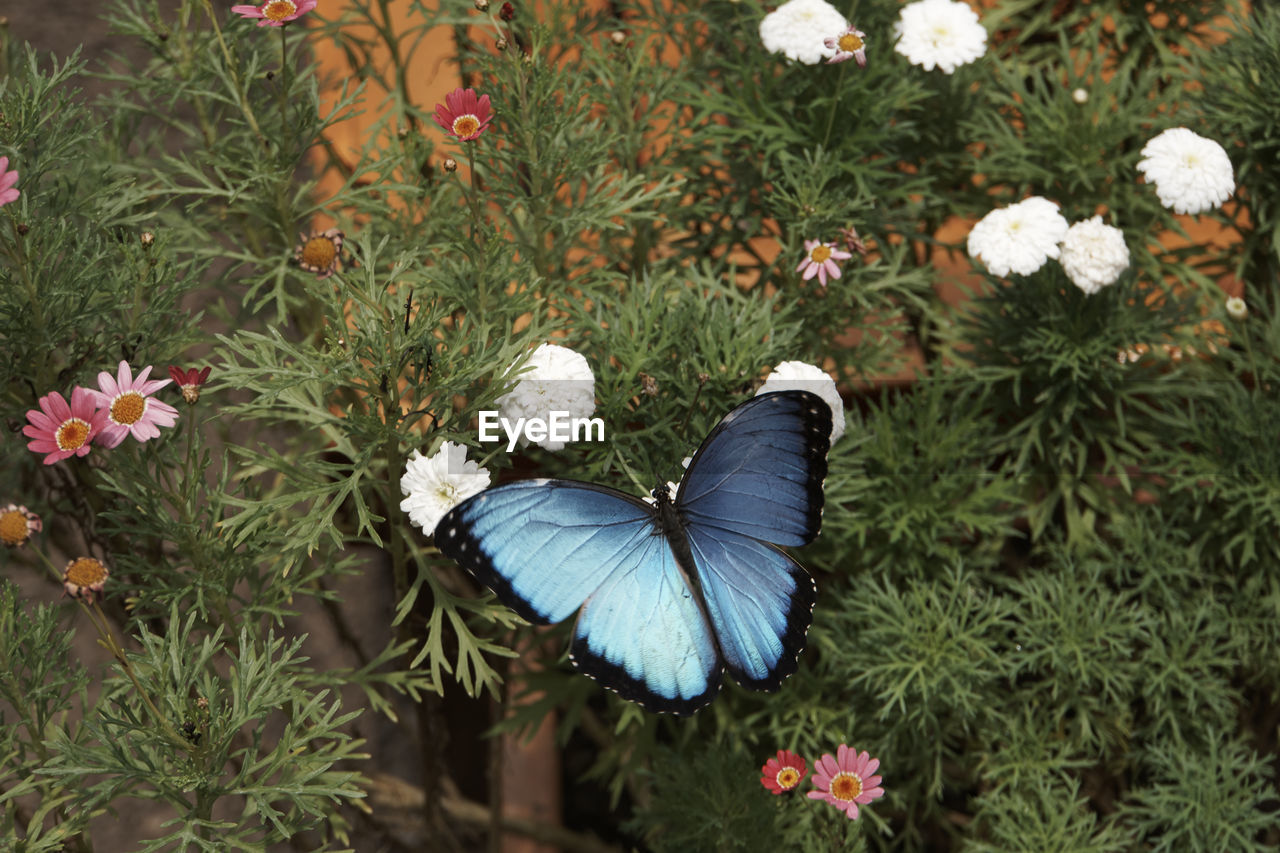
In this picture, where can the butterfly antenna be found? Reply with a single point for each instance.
(703, 378)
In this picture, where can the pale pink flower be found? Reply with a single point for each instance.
(63, 431)
(8, 192)
(130, 407)
(846, 781)
(820, 260)
(276, 13)
(849, 44)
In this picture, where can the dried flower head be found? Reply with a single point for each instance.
(131, 409)
(1191, 174)
(147, 238)
(433, 485)
(783, 773)
(62, 431)
(189, 382)
(939, 34)
(85, 578)
(319, 252)
(450, 164)
(17, 523)
(464, 114)
(276, 13)
(482, 5)
(846, 781)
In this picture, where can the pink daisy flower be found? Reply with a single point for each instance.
(782, 773)
(850, 44)
(129, 406)
(276, 13)
(820, 260)
(63, 431)
(7, 179)
(464, 115)
(846, 781)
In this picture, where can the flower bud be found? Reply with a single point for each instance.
(450, 164)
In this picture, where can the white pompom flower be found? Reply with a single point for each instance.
(433, 485)
(799, 30)
(799, 376)
(1019, 238)
(939, 34)
(1094, 254)
(552, 379)
(1191, 174)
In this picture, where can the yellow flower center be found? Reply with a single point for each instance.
(788, 777)
(464, 126)
(72, 434)
(278, 10)
(128, 408)
(846, 787)
(85, 572)
(319, 252)
(820, 254)
(849, 43)
(13, 528)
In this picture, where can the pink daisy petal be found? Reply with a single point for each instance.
(56, 406)
(42, 445)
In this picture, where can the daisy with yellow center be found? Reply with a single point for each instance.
(130, 408)
(276, 13)
(464, 115)
(850, 44)
(17, 523)
(782, 773)
(820, 260)
(846, 781)
(60, 430)
(85, 578)
(319, 252)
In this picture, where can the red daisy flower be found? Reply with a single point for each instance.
(783, 773)
(464, 115)
(188, 382)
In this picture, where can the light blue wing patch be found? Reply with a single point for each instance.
(760, 471)
(759, 600)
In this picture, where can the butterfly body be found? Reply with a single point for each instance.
(668, 595)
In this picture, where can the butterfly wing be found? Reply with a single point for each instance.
(760, 471)
(549, 548)
(756, 480)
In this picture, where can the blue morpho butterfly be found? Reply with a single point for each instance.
(671, 594)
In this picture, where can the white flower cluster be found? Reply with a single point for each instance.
(553, 379)
(1094, 254)
(799, 376)
(1192, 174)
(939, 34)
(798, 30)
(1022, 237)
(1019, 238)
(436, 484)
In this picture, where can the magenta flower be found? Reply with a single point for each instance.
(464, 115)
(276, 13)
(783, 773)
(846, 781)
(62, 431)
(130, 407)
(7, 179)
(820, 260)
(850, 44)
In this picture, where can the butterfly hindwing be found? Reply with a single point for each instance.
(760, 471)
(549, 548)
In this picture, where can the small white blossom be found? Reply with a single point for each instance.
(1019, 238)
(939, 33)
(799, 30)
(552, 379)
(799, 376)
(1080, 96)
(1236, 309)
(1094, 254)
(436, 484)
(1191, 174)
